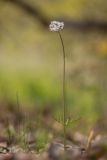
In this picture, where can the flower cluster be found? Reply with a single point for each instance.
(56, 26)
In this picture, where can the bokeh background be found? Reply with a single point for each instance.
(31, 57)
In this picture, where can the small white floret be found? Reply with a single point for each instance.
(56, 26)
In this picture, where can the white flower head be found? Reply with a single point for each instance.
(55, 26)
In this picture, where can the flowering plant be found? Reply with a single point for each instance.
(56, 26)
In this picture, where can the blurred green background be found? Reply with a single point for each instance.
(31, 56)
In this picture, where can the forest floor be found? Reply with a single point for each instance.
(22, 138)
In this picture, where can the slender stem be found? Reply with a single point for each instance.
(18, 110)
(63, 91)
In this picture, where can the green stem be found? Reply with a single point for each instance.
(63, 91)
